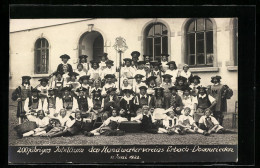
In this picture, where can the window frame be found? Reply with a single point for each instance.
(195, 32)
(43, 60)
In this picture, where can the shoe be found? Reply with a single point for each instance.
(90, 134)
(206, 133)
(220, 131)
(170, 133)
(20, 136)
(182, 133)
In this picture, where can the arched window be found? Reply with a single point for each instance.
(199, 42)
(156, 40)
(41, 56)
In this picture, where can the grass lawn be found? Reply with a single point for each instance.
(128, 139)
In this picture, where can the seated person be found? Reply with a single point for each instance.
(50, 105)
(151, 83)
(73, 83)
(80, 70)
(85, 104)
(33, 103)
(210, 124)
(111, 125)
(170, 124)
(41, 122)
(68, 101)
(110, 102)
(109, 84)
(175, 101)
(187, 124)
(148, 123)
(127, 103)
(125, 85)
(43, 88)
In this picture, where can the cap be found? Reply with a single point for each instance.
(195, 77)
(26, 77)
(186, 65)
(171, 62)
(186, 88)
(167, 76)
(73, 74)
(150, 78)
(143, 87)
(65, 56)
(81, 89)
(94, 61)
(173, 88)
(181, 78)
(165, 54)
(66, 88)
(109, 62)
(105, 55)
(146, 56)
(217, 77)
(202, 87)
(109, 76)
(85, 77)
(135, 54)
(128, 91)
(44, 80)
(83, 56)
(127, 59)
(138, 76)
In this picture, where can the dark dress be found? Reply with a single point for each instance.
(60, 68)
(128, 107)
(147, 124)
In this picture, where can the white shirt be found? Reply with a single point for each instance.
(81, 73)
(117, 119)
(185, 74)
(203, 120)
(63, 120)
(166, 121)
(140, 117)
(26, 103)
(211, 99)
(164, 65)
(141, 72)
(42, 122)
(189, 101)
(57, 105)
(127, 72)
(44, 90)
(107, 70)
(106, 86)
(94, 73)
(188, 118)
(174, 74)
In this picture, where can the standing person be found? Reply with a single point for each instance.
(43, 88)
(83, 60)
(125, 85)
(189, 101)
(140, 68)
(175, 101)
(110, 69)
(151, 83)
(94, 72)
(80, 70)
(156, 71)
(58, 82)
(97, 104)
(181, 83)
(172, 71)
(64, 66)
(205, 101)
(127, 103)
(20, 94)
(33, 103)
(147, 60)
(103, 60)
(164, 61)
(85, 104)
(221, 93)
(166, 84)
(138, 82)
(185, 72)
(50, 105)
(135, 57)
(195, 81)
(143, 99)
(68, 101)
(128, 71)
(188, 125)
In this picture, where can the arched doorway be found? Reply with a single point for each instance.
(91, 44)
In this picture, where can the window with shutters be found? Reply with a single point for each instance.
(41, 56)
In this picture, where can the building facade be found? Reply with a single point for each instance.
(208, 45)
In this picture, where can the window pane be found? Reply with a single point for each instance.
(191, 43)
(149, 46)
(164, 30)
(209, 42)
(191, 27)
(150, 33)
(165, 44)
(38, 57)
(200, 24)
(38, 44)
(200, 42)
(157, 41)
(200, 58)
(46, 43)
(210, 58)
(158, 28)
(209, 25)
(157, 50)
(191, 60)
(43, 43)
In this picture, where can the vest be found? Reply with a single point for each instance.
(67, 102)
(143, 101)
(159, 102)
(83, 103)
(59, 84)
(203, 103)
(51, 102)
(24, 92)
(146, 122)
(97, 104)
(33, 103)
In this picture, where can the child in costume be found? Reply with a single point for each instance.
(51, 104)
(80, 70)
(109, 84)
(125, 85)
(189, 101)
(135, 57)
(84, 62)
(171, 124)
(33, 103)
(43, 88)
(195, 81)
(128, 71)
(187, 124)
(175, 101)
(94, 72)
(103, 60)
(110, 69)
(73, 83)
(138, 83)
(110, 102)
(185, 72)
(166, 84)
(173, 71)
(164, 61)
(156, 71)
(20, 94)
(151, 83)
(64, 67)
(58, 82)
(181, 83)
(127, 103)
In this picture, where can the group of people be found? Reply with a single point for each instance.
(155, 94)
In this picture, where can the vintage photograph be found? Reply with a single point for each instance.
(123, 81)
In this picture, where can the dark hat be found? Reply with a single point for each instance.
(105, 55)
(150, 78)
(140, 63)
(73, 74)
(167, 76)
(94, 91)
(111, 89)
(35, 90)
(195, 77)
(58, 72)
(217, 77)
(155, 63)
(201, 87)
(173, 88)
(26, 77)
(186, 88)
(44, 80)
(128, 91)
(171, 62)
(146, 56)
(83, 56)
(85, 77)
(66, 89)
(181, 78)
(52, 89)
(109, 76)
(81, 89)
(158, 88)
(109, 62)
(138, 76)
(186, 65)
(164, 54)
(128, 59)
(94, 61)
(65, 56)
(143, 87)
(135, 54)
